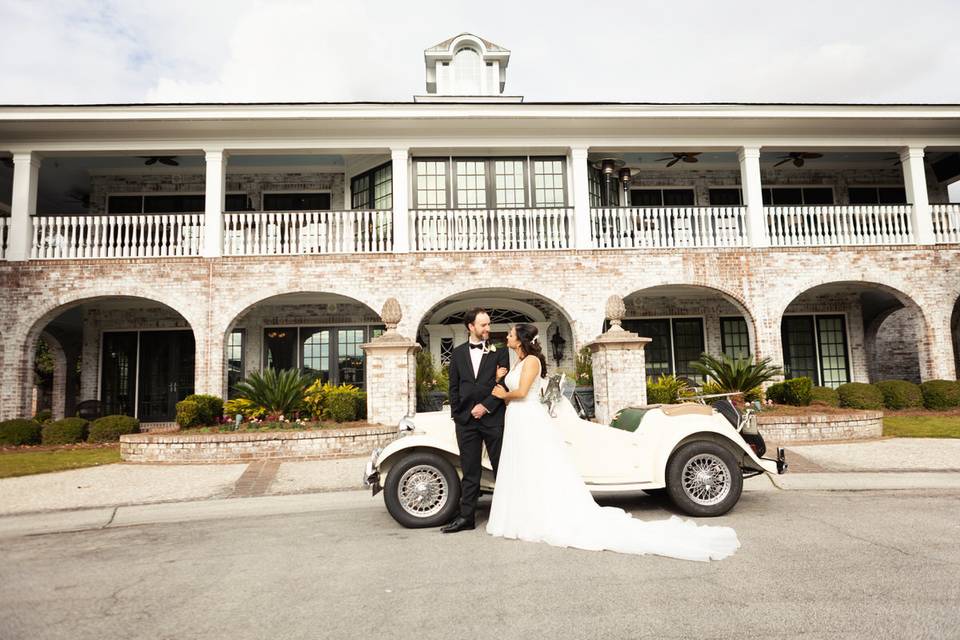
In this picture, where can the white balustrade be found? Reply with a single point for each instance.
(492, 229)
(667, 227)
(835, 225)
(307, 232)
(116, 236)
(946, 222)
(4, 235)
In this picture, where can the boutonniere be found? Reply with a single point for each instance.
(489, 348)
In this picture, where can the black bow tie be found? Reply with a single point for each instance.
(478, 345)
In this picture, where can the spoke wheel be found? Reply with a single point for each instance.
(704, 478)
(423, 491)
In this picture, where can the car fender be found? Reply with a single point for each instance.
(663, 442)
(419, 442)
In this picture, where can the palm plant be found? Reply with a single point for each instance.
(277, 392)
(727, 375)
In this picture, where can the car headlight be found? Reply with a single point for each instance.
(406, 426)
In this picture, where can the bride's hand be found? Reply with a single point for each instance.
(499, 392)
(501, 371)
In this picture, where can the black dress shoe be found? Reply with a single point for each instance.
(459, 524)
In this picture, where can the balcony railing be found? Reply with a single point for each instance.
(4, 235)
(116, 236)
(819, 226)
(946, 222)
(307, 232)
(667, 227)
(491, 229)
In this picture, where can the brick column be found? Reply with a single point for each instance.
(401, 209)
(581, 198)
(768, 341)
(619, 367)
(915, 184)
(215, 202)
(23, 205)
(391, 371)
(750, 185)
(210, 368)
(935, 344)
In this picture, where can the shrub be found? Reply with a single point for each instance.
(188, 414)
(343, 403)
(244, 407)
(584, 375)
(278, 393)
(900, 394)
(43, 416)
(859, 395)
(19, 431)
(210, 408)
(824, 395)
(795, 391)
(110, 428)
(66, 431)
(667, 389)
(940, 394)
(728, 375)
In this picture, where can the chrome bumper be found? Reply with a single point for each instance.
(371, 475)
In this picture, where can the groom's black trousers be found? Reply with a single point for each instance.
(471, 437)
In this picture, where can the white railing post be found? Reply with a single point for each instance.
(215, 202)
(752, 190)
(581, 198)
(915, 183)
(400, 157)
(23, 205)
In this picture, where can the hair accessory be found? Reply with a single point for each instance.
(536, 338)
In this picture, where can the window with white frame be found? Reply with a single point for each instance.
(471, 184)
(372, 189)
(877, 195)
(509, 182)
(431, 180)
(795, 196)
(549, 176)
(667, 197)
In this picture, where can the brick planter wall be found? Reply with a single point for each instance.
(855, 425)
(243, 447)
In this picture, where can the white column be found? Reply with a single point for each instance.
(401, 188)
(23, 205)
(215, 202)
(915, 182)
(581, 198)
(752, 191)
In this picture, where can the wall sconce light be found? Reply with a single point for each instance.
(557, 343)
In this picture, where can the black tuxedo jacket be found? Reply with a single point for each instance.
(467, 390)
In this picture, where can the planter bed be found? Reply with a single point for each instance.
(243, 446)
(811, 424)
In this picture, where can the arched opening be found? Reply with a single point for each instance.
(842, 332)
(685, 321)
(441, 328)
(318, 333)
(119, 355)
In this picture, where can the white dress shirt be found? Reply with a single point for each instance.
(475, 356)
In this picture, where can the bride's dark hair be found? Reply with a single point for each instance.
(526, 334)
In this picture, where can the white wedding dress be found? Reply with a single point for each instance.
(540, 496)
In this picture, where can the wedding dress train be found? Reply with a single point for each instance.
(541, 497)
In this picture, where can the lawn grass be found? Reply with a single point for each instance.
(920, 426)
(31, 461)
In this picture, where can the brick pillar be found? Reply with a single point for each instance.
(391, 371)
(768, 342)
(619, 367)
(935, 344)
(210, 363)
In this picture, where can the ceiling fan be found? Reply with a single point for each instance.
(798, 158)
(167, 160)
(685, 156)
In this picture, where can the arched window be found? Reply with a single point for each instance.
(467, 68)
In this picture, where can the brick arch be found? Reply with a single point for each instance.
(926, 356)
(225, 318)
(733, 297)
(23, 336)
(424, 312)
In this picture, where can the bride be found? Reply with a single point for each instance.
(540, 496)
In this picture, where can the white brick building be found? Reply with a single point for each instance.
(166, 249)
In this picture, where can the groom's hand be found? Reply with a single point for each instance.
(478, 411)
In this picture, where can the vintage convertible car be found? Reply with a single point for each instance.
(695, 453)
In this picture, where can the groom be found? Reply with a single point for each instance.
(477, 414)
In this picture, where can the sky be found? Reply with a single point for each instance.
(88, 51)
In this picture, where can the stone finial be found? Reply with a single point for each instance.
(391, 314)
(615, 310)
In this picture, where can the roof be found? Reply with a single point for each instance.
(445, 45)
